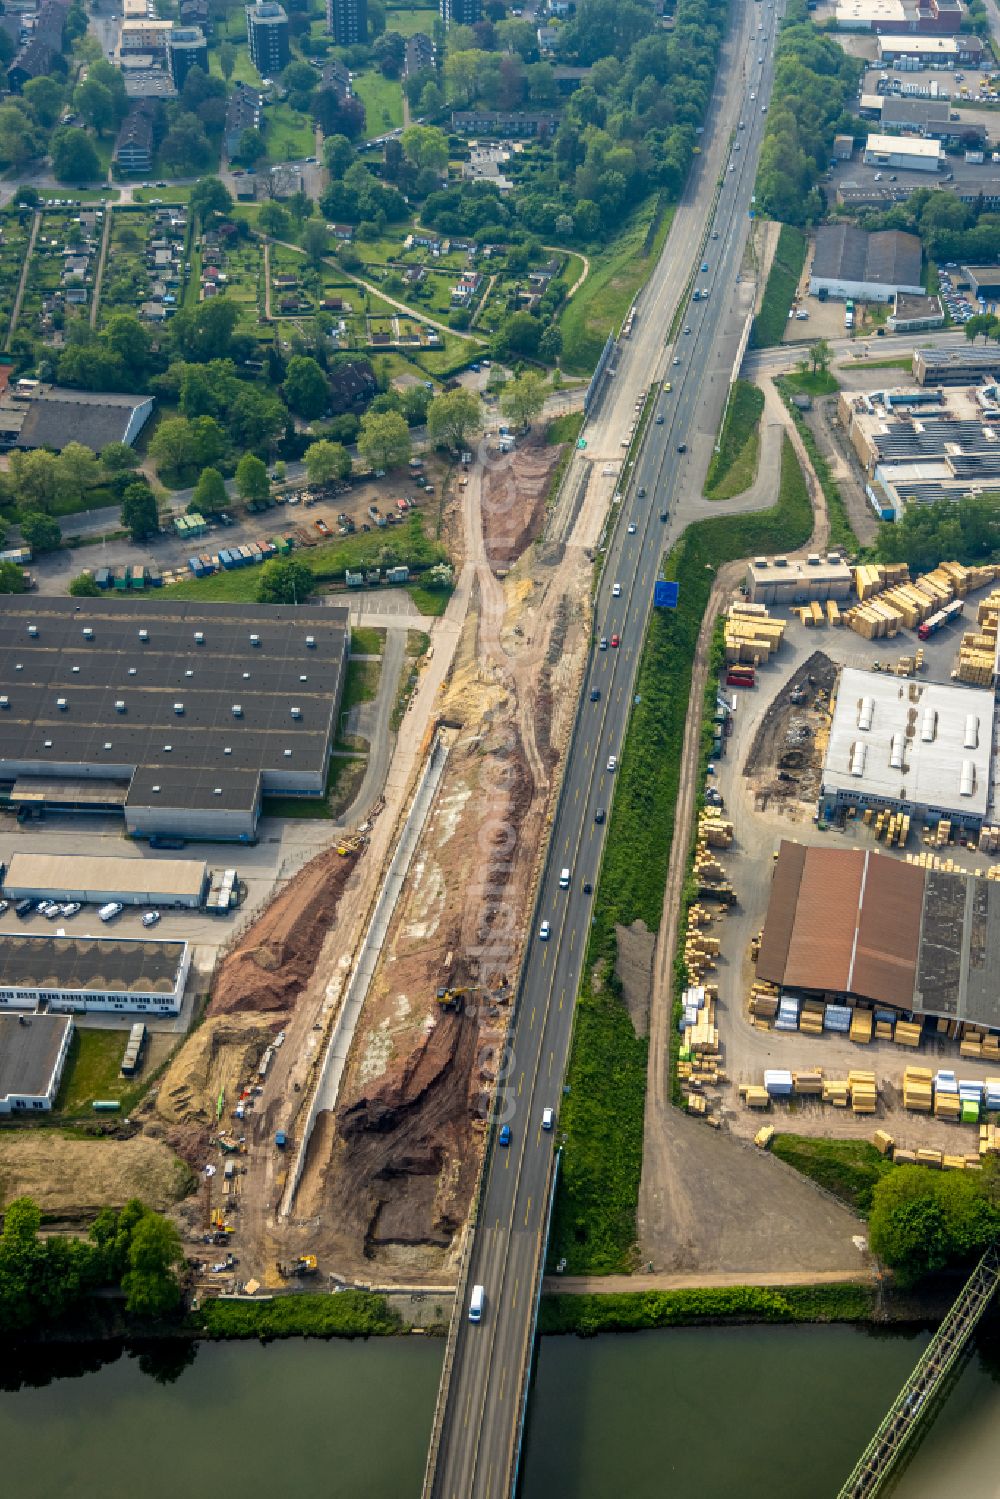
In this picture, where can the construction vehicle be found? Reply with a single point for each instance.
(349, 844)
(303, 1264)
(451, 999)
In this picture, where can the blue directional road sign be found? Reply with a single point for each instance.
(664, 595)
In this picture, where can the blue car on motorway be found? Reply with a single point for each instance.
(504, 1134)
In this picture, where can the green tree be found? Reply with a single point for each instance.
(12, 578)
(35, 478)
(73, 156)
(77, 472)
(256, 418)
(523, 398)
(227, 59)
(306, 389)
(338, 153)
(150, 1283)
(274, 220)
(251, 479)
(210, 492)
(519, 335)
(170, 445)
(210, 196)
(84, 587)
(315, 241)
(820, 355)
(426, 147)
(454, 418)
(285, 580)
(45, 97)
(139, 513)
(384, 439)
(550, 344)
(326, 462)
(40, 532)
(923, 1221)
(252, 146)
(95, 105)
(118, 457)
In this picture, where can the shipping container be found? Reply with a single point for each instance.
(740, 676)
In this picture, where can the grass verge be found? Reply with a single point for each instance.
(344, 775)
(841, 531)
(431, 602)
(734, 463)
(616, 274)
(812, 382)
(635, 1311)
(408, 544)
(601, 1117)
(346, 1314)
(786, 268)
(565, 428)
(93, 1071)
(367, 641)
(876, 364)
(847, 1168)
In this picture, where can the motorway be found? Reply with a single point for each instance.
(477, 1454)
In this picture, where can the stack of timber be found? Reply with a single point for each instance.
(751, 635)
(918, 1090)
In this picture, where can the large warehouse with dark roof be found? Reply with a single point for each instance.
(178, 714)
(848, 262)
(853, 924)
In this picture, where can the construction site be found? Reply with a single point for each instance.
(332, 1103)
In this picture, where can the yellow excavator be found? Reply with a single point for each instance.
(451, 999)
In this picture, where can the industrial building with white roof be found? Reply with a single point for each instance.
(921, 748)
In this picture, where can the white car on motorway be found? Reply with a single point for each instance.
(544, 931)
(616, 591)
(631, 528)
(612, 762)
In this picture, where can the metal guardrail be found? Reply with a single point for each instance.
(536, 1298)
(916, 1397)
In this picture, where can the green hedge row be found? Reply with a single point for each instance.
(347, 1314)
(633, 1311)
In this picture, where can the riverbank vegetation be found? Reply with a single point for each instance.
(734, 463)
(345, 1314)
(594, 1226)
(634, 1311)
(926, 1221)
(46, 1279)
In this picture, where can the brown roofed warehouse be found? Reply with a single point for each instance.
(843, 921)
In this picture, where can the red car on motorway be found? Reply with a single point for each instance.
(615, 641)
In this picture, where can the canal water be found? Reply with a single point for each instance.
(754, 1411)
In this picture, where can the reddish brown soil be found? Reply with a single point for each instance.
(271, 965)
(515, 489)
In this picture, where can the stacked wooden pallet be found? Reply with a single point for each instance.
(751, 637)
(861, 1026)
(864, 1092)
(918, 1090)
